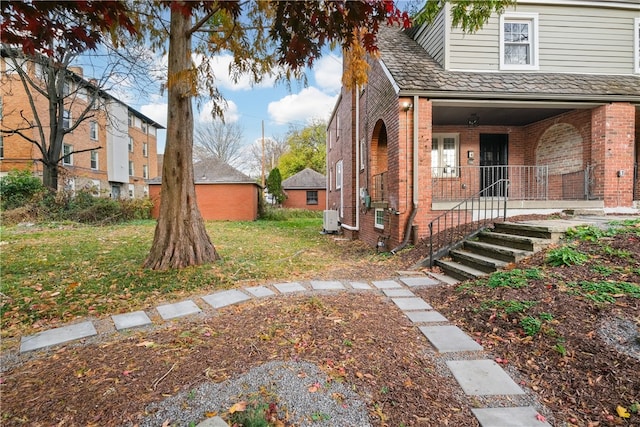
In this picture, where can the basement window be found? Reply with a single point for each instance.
(379, 219)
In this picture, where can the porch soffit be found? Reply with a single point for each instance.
(415, 72)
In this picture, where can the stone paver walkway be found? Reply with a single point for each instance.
(476, 375)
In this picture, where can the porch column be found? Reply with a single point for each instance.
(612, 153)
(425, 132)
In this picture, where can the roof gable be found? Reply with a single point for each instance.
(305, 179)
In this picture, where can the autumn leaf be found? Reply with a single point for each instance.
(314, 387)
(622, 412)
(210, 414)
(238, 407)
(541, 418)
(146, 344)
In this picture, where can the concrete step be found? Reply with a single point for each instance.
(501, 253)
(515, 241)
(459, 271)
(477, 261)
(531, 230)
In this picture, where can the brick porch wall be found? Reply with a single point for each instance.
(613, 130)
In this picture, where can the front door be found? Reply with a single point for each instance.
(493, 163)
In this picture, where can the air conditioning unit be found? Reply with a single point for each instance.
(330, 221)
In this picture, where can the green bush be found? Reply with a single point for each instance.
(18, 188)
(566, 255)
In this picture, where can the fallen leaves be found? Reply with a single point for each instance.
(238, 407)
(623, 412)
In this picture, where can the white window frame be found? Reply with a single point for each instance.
(67, 159)
(363, 157)
(95, 187)
(532, 20)
(132, 169)
(339, 175)
(94, 159)
(636, 44)
(130, 120)
(145, 191)
(311, 201)
(70, 185)
(441, 170)
(66, 119)
(145, 149)
(132, 191)
(378, 219)
(93, 130)
(143, 126)
(130, 144)
(145, 171)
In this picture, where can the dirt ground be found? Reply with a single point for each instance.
(582, 366)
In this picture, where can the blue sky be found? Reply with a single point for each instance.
(279, 106)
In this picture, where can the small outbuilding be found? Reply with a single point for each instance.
(306, 190)
(223, 192)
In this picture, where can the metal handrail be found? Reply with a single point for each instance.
(462, 222)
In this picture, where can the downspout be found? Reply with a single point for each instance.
(357, 172)
(414, 211)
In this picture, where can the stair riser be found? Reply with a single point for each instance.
(500, 255)
(522, 230)
(478, 265)
(456, 274)
(525, 246)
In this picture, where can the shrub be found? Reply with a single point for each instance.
(18, 188)
(566, 255)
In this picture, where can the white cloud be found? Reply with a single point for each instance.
(156, 112)
(231, 114)
(223, 80)
(327, 72)
(308, 104)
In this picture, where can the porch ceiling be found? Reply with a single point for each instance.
(493, 116)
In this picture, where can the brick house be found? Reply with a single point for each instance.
(223, 193)
(541, 104)
(306, 190)
(100, 155)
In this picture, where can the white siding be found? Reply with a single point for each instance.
(433, 37)
(117, 143)
(571, 39)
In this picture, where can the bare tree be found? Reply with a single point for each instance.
(219, 140)
(274, 147)
(71, 99)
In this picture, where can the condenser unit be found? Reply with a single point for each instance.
(330, 221)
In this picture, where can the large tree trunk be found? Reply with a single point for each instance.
(50, 176)
(180, 238)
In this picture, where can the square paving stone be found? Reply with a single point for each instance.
(130, 320)
(419, 281)
(290, 287)
(386, 284)
(326, 285)
(406, 304)
(360, 285)
(57, 336)
(178, 309)
(401, 292)
(483, 378)
(425, 316)
(514, 417)
(449, 338)
(225, 298)
(260, 291)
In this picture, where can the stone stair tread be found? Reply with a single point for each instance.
(461, 267)
(498, 248)
(443, 278)
(478, 257)
(514, 237)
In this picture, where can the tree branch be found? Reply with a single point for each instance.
(78, 152)
(202, 21)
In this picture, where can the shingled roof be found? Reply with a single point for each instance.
(214, 171)
(304, 180)
(414, 71)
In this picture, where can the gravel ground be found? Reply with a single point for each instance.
(300, 390)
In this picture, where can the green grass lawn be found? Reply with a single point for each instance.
(54, 273)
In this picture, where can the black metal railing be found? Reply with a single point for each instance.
(467, 218)
(636, 181)
(378, 193)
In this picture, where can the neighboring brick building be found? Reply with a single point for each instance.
(306, 190)
(445, 115)
(223, 193)
(110, 153)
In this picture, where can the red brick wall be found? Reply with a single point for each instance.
(298, 199)
(613, 130)
(221, 202)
